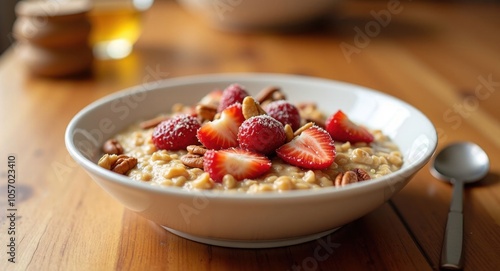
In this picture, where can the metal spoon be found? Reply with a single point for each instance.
(459, 163)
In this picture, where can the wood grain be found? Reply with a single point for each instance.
(433, 55)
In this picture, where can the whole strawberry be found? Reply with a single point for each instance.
(284, 112)
(262, 134)
(232, 94)
(176, 133)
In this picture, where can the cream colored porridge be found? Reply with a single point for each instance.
(164, 168)
(139, 158)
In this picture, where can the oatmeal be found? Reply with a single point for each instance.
(231, 147)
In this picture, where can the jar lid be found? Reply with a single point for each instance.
(48, 8)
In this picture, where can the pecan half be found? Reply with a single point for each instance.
(251, 108)
(269, 93)
(362, 174)
(112, 146)
(345, 178)
(196, 149)
(118, 163)
(152, 122)
(192, 160)
(123, 164)
(205, 112)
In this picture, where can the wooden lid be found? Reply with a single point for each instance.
(47, 8)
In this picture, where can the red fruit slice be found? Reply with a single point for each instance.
(341, 128)
(241, 164)
(312, 149)
(232, 94)
(222, 133)
(262, 134)
(176, 133)
(284, 112)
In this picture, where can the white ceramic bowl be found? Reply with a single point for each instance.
(258, 14)
(251, 220)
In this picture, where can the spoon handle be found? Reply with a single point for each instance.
(451, 254)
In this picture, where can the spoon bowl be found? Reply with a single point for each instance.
(464, 161)
(459, 163)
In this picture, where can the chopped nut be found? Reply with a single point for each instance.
(278, 95)
(345, 178)
(362, 174)
(178, 108)
(318, 121)
(123, 164)
(192, 160)
(264, 187)
(161, 157)
(229, 181)
(360, 156)
(309, 177)
(289, 133)
(206, 112)
(251, 108)
(310, 113)
(152, 122)
(176, 171)
(107, 160)
(395, 158)
(195, 149)
(345, 146)
(283, 183)
(112, 146)
(324, 182)
(307, 106)
(268, 93)
(303, 128)
(146, 176)
(203, 182)
(179, 181)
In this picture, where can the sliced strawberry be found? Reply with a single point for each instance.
(262, 134)
(341, 128)
(222, 133)
(232, 94)
(176, 133)
(312, 149)
(241, 164)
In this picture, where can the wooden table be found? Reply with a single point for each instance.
(441, 57)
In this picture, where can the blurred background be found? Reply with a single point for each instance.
(7, 16)
(336, 24)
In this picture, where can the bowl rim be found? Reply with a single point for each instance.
(360, 187)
